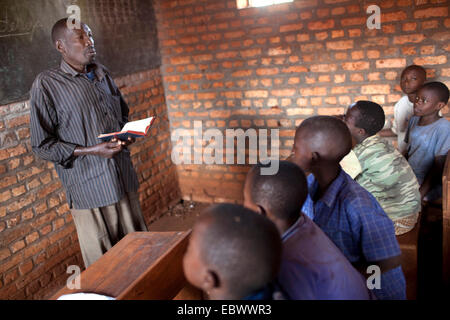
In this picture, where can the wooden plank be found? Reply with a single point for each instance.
(409, 246)
(446, 223)
(164, 279)
(129, 262)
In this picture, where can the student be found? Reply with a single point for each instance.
(428, 139)
(344, 210)
(385, 173)
(312, 267)
(412, 78)
(233, 253)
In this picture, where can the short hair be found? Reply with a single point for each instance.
(59, 29)
(282, 193)
(371, 116)
(439, 89)
(328, 134)
(243, 246)
(417, 68)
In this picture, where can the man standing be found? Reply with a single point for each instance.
(70, 106)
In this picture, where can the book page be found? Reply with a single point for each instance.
(138, 125)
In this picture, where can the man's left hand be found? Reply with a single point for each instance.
(126, 143)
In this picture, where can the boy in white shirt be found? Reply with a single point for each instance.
(412, 78)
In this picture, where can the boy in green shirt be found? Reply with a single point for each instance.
(385, 173)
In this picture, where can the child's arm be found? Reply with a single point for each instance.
(433, 176)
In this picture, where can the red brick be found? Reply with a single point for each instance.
(340, 45)
(354, 21)
(18, 245)
(11, 276)
(279, 51)
(256, 94)
(393, 16)
(291, 27)
(391, 63)
(299, 111)
(431, 12)
(18, 121)
(26, 267)
(321, 25)
(283, 92)
(414, 38)
(360, 65)
(430, 60)
(294, 69)
(373, 89)
(266, 71)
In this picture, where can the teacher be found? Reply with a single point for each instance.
(70, 106)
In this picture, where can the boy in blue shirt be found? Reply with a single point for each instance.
(233, 254)
(428, 139)
(312, 267)
(345, 211)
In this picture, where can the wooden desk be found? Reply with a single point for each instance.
(446, 223)
(409, 243)
(143, 265)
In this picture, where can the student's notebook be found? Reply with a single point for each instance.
(136, 129)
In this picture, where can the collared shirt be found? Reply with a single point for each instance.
(353, 219)
(387, 175)
(70, 110)
(355, 222)
(313, 268)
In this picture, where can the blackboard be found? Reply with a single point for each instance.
(124, 33)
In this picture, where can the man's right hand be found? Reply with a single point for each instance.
(104, 149)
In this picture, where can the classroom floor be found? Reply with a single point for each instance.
(184, 214)
(180, 218)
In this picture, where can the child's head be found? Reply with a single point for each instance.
(412, 78)
(320, 141)
(364, 119)
(232, 252)
(280, 196)
(431, 98)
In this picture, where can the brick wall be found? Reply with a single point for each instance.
(38, 239)
(272, 67)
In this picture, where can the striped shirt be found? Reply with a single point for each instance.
(70, 110)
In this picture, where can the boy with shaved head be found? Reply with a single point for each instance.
(385, 173)
(344, 210)
(233, 254)
(312, 267)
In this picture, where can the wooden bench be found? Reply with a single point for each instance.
(409, 243)
(446, 223)
(141, 266)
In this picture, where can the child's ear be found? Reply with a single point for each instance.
(440, 105)
(211, 280)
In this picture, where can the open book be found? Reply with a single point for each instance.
(138, 128)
